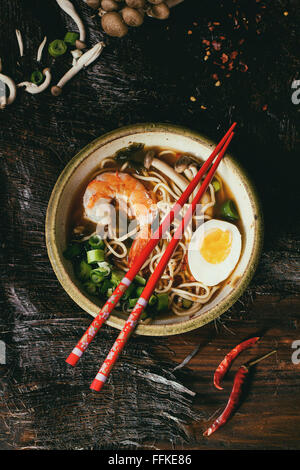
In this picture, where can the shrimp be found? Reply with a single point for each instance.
(124, 188)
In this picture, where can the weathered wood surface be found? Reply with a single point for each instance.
(149, 75)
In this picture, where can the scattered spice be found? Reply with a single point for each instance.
(192, 98)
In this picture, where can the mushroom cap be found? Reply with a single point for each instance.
(160, 11)
(56, 90)
(182, 163)
(109, 5)
(93, 3)
(47, 69)
(132, 17)
(113, 24)
(136, 3)
(155, 2)
(80, 44)
(150, 154)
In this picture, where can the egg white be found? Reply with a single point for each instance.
(208, 273)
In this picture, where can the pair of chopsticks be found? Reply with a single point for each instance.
(208, 167)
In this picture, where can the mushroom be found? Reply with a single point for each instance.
(173, 3)
(154, 2)
(12, 89)
(132, 17)
(182, 163)
(109, 5)
(113, 24)
(86, 59)
(76, 54)
(135, 3)
(160, 11)
(20, 42)
(166, 169)
(34, 89)
(93, 3)
(40, 49)
(69, 8)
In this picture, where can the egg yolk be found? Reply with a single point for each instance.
(216, 246)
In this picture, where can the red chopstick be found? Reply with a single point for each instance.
(110, 304)
(142, 302)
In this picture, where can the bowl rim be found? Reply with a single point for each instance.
(86, 304)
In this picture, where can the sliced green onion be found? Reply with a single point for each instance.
(140, 280)
(162, 302)
(95, 256)
(229, 211)
(117, 276)
(152, 300)
(96, 276)
(139, 291)
(90, 287)
(104, 268)
(216, 185)
(96, 241)
(129, 291)
(186, 303)
(72, 251)
(71, 38)
(105, 286)
(83, 271)
(144, 315)
(57, 48)
(132, 302)
(37, 77)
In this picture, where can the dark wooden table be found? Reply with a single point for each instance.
(211, 63)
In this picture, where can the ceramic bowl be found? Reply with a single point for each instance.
(164, 135)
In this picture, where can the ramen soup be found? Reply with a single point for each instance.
(118, 208)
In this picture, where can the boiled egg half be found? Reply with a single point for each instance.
(214, 251)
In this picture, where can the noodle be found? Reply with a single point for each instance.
(177, 279)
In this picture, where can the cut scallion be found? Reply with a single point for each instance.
(229, 211)
(96, 242)
(96, 276)
(71, 38)
(162, 302)
(95, 256)
(37, 77)
(57, 48)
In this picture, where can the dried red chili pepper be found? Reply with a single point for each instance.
(229, 358)
(232, 402)
(235, 395)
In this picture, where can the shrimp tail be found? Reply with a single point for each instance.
(139, 244)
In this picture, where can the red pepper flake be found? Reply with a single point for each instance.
(224, 58)
(206, 42)
(190, 32)
(234, 54)
(215, 76)
(216, 45)
(244, 67)
(265, 107)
